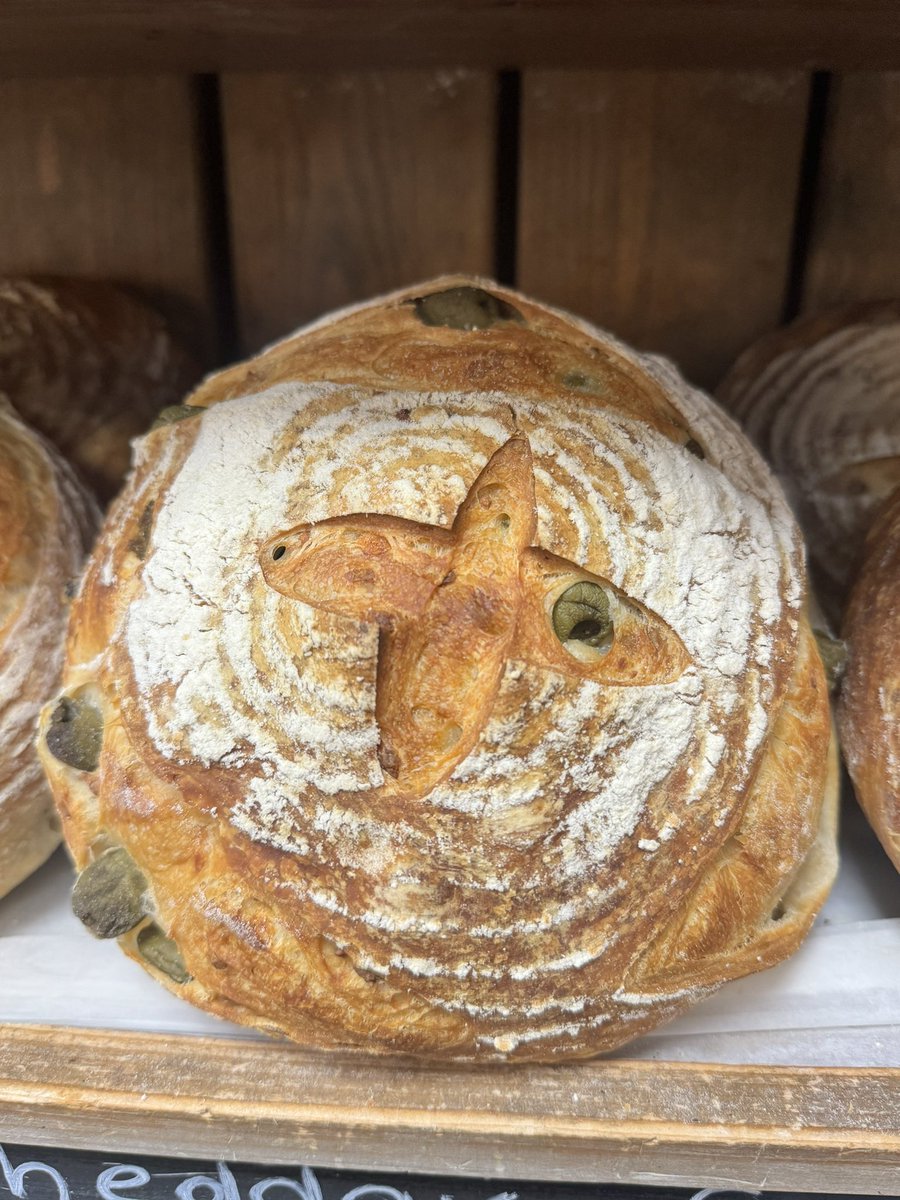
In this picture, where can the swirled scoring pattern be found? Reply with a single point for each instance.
(506, 909)
(231, 675)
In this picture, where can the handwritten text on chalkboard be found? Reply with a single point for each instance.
(124, 1181)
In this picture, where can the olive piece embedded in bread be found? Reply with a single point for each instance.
(140, 543)
(175, 413)
(110, 895)
(161, 952)
(581, 614)
(464, 308)
(75, 735)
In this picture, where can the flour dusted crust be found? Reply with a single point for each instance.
(821, 399)
(606, 853)
(869, 707)
(88, 366)
(45, 525)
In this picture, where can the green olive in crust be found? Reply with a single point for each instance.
(140, 543)
(162, 952)
(75, 735)
(580, 382)
(110, 895)
(581, 614)
(175, 413)
(464, 308)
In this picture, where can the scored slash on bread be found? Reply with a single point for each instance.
(605, 855)
(454, 605)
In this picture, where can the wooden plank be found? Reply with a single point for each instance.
(854, 247)
(661, 205)
(343, 186)
(597, 1121)
(43, 36)
(103, 178)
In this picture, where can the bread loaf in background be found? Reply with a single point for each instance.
(46, 525)
(869, 704)
(821, 399)
(89, 366)
(451, 691)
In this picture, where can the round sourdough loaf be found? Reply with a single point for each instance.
(869, 706)
(456, 691)
(46, 523)
(88, 366)
(821, 398)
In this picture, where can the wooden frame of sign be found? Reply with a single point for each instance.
(805, 1129)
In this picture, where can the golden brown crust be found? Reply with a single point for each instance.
(869, 705)
(383, 345)
(46, 522)
(89, 367)
(819, 398)
(605, 854)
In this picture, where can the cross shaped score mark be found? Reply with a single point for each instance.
(453, 605)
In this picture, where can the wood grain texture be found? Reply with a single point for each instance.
(42, 36)
(854, 251)
(103, 178)
(641, 1122)
(344, 186)
(661, 205)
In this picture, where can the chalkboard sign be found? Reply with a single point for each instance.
(39, 1173)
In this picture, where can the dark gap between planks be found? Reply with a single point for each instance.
(807, 190)
(506, 188)
(214, 189)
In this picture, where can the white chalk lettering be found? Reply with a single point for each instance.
(113, 1182)
(376, 1189)
(308, 1189)
(126, 1176)
(15, 1179)
(706, 1193)
(223, 1188)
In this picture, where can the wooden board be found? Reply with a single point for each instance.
(41, 36)
(808, 1129)
(105, 178)
(344, 186)
(661, 205)
(854, 246)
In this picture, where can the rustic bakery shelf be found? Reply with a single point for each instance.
(711, 168)
(661, 1123)
(84, 36)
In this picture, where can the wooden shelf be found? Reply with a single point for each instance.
(667, 1123)
(44, 37)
